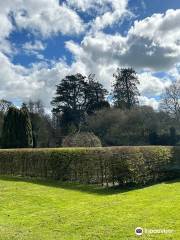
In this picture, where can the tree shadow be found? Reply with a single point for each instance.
(172, 181)
(86, 188)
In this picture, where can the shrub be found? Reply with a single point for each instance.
(82, 139)
(114, 165)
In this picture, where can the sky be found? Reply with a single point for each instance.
(42, 41)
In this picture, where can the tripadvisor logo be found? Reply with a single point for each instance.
(139, 231)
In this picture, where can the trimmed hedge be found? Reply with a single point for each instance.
(111, 165)
(82, 139)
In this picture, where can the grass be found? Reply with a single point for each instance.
(47, 210)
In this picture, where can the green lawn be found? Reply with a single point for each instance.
(50, 210)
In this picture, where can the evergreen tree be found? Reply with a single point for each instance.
(173, 137)
(17, 130)
(10, 133)
(153, 138)
(77, 96)
(95, 94)
(25, 128)
(125, 88)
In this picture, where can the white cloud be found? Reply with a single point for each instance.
(151, 85)
(46, 17)
(85, 5)
(23, 83)
(155, 41)
(152, 44)
(154, 103)
(36, 46)
(111, 17)
(109, 12)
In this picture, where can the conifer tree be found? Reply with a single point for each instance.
(25, 128)
(10, 133)
(17, 129)
(125, 93)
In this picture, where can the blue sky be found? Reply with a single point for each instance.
(42, 41)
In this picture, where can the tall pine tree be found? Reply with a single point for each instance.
(125, 91)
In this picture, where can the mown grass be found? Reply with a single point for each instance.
(48, 210)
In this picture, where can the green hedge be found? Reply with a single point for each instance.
(111, 165)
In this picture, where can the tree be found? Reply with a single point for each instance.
(25, 128)
(4, 105)
(95, 94)
(153, 138)
(10, 133)
(77, 96)
(35, 107)
(17, 131)
(173, 137)
(125, 90)
(138, 126)
(42, 125)
(171, 100)
(70, 99)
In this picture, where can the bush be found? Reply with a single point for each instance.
(115, 165)
(82, 139)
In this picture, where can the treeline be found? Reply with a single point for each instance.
(82, 104)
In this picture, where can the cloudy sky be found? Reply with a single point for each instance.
(41, 41)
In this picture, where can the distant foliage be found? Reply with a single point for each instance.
(82, 139)
(17, 129)
(138, 126)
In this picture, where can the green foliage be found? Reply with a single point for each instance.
(77, 96)
(115, 165)
(42, 125)
(25, 128)
(138, 126)
(17, 129)
(11, 129)
(82, 139)
(125, 88)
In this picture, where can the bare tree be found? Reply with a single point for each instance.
(171, 100)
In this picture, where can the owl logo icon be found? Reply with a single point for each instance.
(138, 231)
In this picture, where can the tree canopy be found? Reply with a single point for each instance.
(76, 96)
(125, 90)
(17, 129)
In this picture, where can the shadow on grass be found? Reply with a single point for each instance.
(90, 189)
(172, 181)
